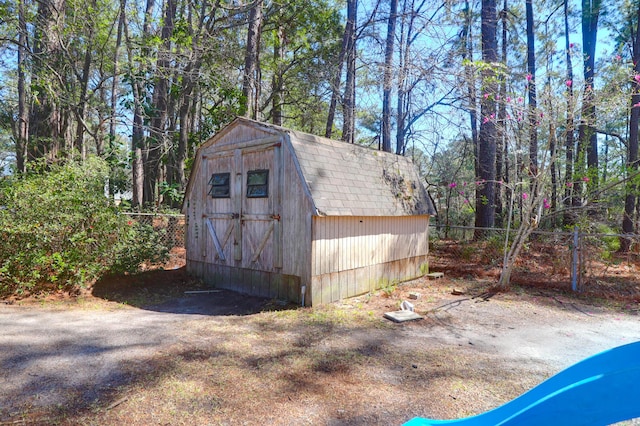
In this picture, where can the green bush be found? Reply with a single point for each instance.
(59, 231)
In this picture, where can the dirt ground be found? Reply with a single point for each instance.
(138, 350)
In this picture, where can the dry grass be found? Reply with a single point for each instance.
(337, 364)
(340, 364)
(331, 365)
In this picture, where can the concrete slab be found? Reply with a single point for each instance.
(402, 316)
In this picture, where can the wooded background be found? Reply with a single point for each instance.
(517, 110)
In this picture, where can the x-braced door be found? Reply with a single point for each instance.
(243, 208)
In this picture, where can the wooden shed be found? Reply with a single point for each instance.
(283, 214)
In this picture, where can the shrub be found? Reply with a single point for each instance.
(59, 231)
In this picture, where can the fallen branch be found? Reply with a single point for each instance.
(118, 402)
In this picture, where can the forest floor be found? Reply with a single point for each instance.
(138, 350)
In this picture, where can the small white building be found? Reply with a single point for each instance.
(283, 214)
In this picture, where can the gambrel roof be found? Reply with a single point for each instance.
(346, 179)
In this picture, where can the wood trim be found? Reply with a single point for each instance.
(263, 243)
(278, 165)
(216, 242)
(303, 181)
(237, 198)
(225, 215)
(263, 143)
(258, 216)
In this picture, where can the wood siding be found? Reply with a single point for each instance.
(271, 285)
(355, 255)
(297, 212)
(274, 246)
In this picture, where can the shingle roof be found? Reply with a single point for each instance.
(352, 180)
(345, 179)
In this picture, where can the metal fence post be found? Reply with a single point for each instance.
(574, 261)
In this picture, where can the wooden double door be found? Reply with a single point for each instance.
(242, 214)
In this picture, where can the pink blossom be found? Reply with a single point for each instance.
(508, 98)
(508, 116)
(465, 201)
(525, 195)
(486, 120)
(569, 184)
(586, 179)
(635, 105)
(618, 57)
(568, 83)
(520, 99)
(453, 185)
(571, 45)
(486, 96)
(541, 114)
(546, 204)
(637, 78)
(529, 77)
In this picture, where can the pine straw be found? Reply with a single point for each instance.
(304, 367)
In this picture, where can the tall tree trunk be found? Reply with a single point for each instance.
(485, 194)
(570, 196)
(251, 79)
(388, 74)
(335, 86)
(470, 75)
(114, 82)
(501, 141)
(81, 109)
(47, 122)
(160, 99)
(531, 88)
(629, 219)
(22, 131)
(404, 49)
(349, 103)
(277, 94)
(137, 137)
(587, 137)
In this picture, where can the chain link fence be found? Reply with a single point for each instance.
(572, 260)
(170, 229)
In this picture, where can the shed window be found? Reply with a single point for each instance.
(219, 183)
(258, 184)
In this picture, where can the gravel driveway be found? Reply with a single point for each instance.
(48, 354)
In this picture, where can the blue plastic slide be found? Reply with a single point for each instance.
(599, 390)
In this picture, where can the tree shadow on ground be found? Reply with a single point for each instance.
(175, 291)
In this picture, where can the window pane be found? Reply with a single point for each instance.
(257, 177)
(219, 179)
(219, 192)
(219, 183)
(258, 184)
(257, 191)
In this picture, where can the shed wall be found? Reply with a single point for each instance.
(355, 255)
(297, 213)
